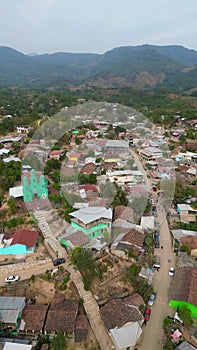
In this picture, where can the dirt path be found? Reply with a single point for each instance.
(90, 304)
(153, 331)
(25, 270)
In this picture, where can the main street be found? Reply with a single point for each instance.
(152, 338)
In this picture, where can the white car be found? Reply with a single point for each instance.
(11, 279)
(171, 271)
(151, 300)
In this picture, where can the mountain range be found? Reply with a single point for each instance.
(147, 66)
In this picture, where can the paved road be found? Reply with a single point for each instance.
(153, 331)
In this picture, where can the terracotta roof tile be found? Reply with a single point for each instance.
(25, 237)
(134, 299)
(81, 329)
(184, 285)
(62, 316)
(88, 168)
(116, 314)
(190, 240)
(34, 317)
(124, 213)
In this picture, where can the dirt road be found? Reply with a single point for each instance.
(153, 331)
(25, 271)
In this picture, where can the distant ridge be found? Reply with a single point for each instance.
(146, 66)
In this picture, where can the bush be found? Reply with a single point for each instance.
(185, 315)
(32, 278)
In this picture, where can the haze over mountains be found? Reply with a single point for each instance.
(147, 66)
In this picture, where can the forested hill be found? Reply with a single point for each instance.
(147, 66)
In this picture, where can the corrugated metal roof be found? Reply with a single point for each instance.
(16, 192)
(9, 316)
(12, 303)
(185, 346)
(91, 214)
(15, 346)
(117, 143)
(147, 222)
(124, 172)
(10, 159)
(126, 336)
(4, 151)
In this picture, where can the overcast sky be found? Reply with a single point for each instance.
(96, 25)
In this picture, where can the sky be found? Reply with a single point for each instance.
(41, 26)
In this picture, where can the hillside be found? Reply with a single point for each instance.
(146, 66)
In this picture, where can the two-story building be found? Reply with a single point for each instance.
(187, 213)
(151, 153)
(92, 221)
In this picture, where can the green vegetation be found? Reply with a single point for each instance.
(185, 315)
(120, 198)
(168, 345)
(85, 263)
(185, 248)
(13, 222)
(12, 205)
(59, 342)
(9, 173)
(87, 179)
(139, 284)
(185, 226)
(182, 192)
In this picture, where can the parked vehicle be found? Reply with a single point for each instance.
(156, 264)
(151, 300)
(147, 313)
(12, 279)
(157, 243)
(59, 261)
(156, 235)
(171, 271)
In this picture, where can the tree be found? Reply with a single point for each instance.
(185, 248)
(78, 141)
(88, 179)
(85, 263)
(168, 345)
(52, 164)
(191, 134)
(59, 342)
(182, 139)
(16, 146)
(12, 205)
(120, 197)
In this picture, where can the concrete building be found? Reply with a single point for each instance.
(151, 153)
(92, 220)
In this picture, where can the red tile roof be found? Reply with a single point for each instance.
(55, 153)
(88, 168)
(62, 316)
(190, 240)
(89, 187)
(25, 237)
(34, 317)
(116, 313)
(122, 212)
(184, 285)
